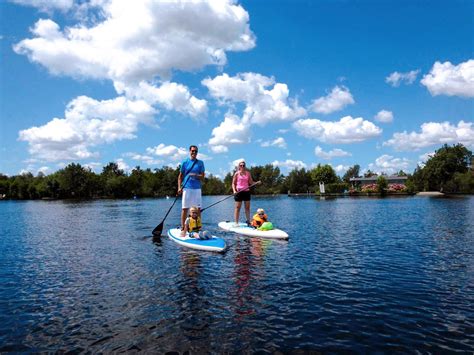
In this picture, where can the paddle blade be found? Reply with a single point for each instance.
(158, 230)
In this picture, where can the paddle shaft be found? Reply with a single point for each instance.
(215, 203)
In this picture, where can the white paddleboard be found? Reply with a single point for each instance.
(212, 244)
(243, 229)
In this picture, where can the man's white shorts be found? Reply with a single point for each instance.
(191, 197)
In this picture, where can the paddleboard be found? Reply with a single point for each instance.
(213, 244)
(243, 229)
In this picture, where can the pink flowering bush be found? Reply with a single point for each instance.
(369, 188)
(397, 188)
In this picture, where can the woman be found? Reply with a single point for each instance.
(240, 185)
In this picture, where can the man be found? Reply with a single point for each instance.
(189, 183)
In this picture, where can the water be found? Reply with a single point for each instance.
(363, 275)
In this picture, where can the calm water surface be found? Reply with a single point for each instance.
(364, 275)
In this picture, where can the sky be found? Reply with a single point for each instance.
(382, 84)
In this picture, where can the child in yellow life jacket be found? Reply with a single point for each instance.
(259, 218)
(193, 225)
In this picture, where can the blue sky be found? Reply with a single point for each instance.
(381, 84)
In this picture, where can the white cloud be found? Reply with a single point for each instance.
(47, 5)
(433, 133)
(396, 78)
(384, 116)
(424, 158)
(169, 152)
(451, 80)
(87, 123)
(262, 105)
(277, 142)
(141, 40)
(289, 164)
(336, 100)
(341, 169)
(122, 165)
(231, 131)
(146, 159)
(335, 153)
(346, 130)
(390, 165)
(171, 96)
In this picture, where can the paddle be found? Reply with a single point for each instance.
(215, 203)
(159, 228)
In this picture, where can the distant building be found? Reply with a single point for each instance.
(373, 180)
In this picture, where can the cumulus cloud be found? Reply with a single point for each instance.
(231, 131)
(341, 169)
(277, 142)
(389, 164)
(384, 116)
(451, 80)
(141, 40)
(266, 101)
(146, 159)
(396, 78)
(335, 153)
(289, 164)
(169, 152)
(433, 133)
(87, 123)
(346, 130)
(47, 5)
(171, 96)
(336, 100)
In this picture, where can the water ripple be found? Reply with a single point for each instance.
(358, 275)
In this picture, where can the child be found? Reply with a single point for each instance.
(259, 218)
(193, 225)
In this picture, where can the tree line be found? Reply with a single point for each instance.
(449, 170)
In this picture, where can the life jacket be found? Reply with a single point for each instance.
(195, 225)
(257, 220)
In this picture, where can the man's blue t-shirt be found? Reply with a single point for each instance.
(191, 182)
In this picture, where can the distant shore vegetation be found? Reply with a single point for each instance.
(449, 170)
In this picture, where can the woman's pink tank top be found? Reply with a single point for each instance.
(242, 181)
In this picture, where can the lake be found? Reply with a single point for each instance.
(357, 274)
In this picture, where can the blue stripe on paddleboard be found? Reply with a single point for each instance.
(214, 242)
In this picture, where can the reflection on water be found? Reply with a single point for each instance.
(357, 275)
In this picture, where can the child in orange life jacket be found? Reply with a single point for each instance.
(193, 225)
(259, 218)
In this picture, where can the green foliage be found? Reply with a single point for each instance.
(449, 169)
(323, 173)
(441, 171)
(382, 184)
(270, 177)
(213, 186)
(299, 181)
(369, 173)
(337, 187)
(352, 172)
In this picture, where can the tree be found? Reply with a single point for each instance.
(299, 181)
(75, 181)
(270, 176)
(323, 173)
(382, 184)
(441, 167)
(352, 172)
(369, 174)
